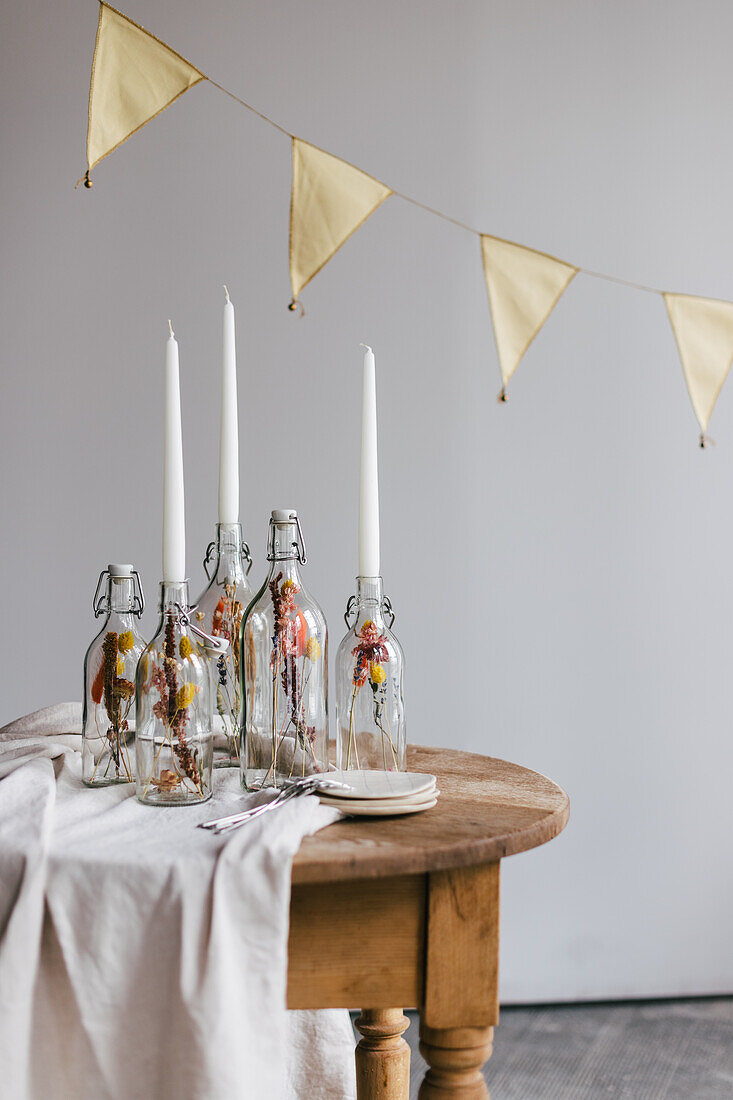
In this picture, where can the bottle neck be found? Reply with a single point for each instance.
(283, 541)
(120, 600)
(369, 599)
(229, 564)
(283, 551)
(288, 567)
(172, 596)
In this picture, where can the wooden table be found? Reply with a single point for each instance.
(405, 911)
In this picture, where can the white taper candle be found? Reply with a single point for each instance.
(174, 519)
(229, 436)
(369, 482)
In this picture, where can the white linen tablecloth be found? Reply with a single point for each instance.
(140, 956)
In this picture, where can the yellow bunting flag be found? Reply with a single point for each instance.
(135, 76)
(703, 329)
(524, 286)
(329, 201)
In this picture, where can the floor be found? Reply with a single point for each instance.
(654, 1050)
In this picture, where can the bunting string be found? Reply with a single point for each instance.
(136, 76)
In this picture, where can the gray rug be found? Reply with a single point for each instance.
(661, 1050)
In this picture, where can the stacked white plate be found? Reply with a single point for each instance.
(382, 794)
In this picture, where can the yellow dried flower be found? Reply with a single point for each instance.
(313, 648)
(120, 666)
(377, 675)
(185, 648)
(185, 695)
(126, 641)
(124, 688)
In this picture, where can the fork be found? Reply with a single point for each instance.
(299, 786)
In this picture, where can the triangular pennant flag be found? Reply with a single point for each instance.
(329, 201)
(703, 329)
(135, 76)
(524, 286)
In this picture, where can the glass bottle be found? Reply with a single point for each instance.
(370, 710)
(219, 611)
(174, 742)
(108, 724)
(284, 719)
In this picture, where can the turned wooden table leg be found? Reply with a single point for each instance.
(460, 1004)
(455, 1058)
(382, 1056)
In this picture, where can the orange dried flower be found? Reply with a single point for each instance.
(167, 781)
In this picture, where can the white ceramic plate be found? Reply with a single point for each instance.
(377, 784)
(396, 810)
(378, 803)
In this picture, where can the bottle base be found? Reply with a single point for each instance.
(109, 782)
(173, 798)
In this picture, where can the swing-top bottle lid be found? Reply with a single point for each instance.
(120, 571)
(284, 515)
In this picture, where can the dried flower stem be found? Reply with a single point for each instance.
(174, 716)
(352, 732)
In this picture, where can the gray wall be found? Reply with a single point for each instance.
(560, 565)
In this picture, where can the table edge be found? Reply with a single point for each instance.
(381, 864)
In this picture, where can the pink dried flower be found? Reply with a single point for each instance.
(371, 650)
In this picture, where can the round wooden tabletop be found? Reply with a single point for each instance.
(487, 809)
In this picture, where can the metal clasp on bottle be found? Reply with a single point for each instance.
(387, 609)
(100, 602)
(211, 554)
(298, 546)
(219, 646)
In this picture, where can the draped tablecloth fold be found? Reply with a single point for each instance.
(141, 956)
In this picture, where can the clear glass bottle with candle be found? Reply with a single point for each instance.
(108, 723)
(284, 672)
(370, 710)
(174, 742)
(220, 610)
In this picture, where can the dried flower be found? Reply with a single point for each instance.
(120, 666)
(219, 620)
(188, 761)
(98, 684)
(167, 781)
(370, 651)
(185, 695)
(170, 669)
(377, 675)
(126, 641)
(185, 647)
(111, 703)
(313, 648)
(289, 590)
(200, 616)
(172, 708)
(158, 679)
(124, 688)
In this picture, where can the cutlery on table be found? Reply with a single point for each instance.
(309, 785)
